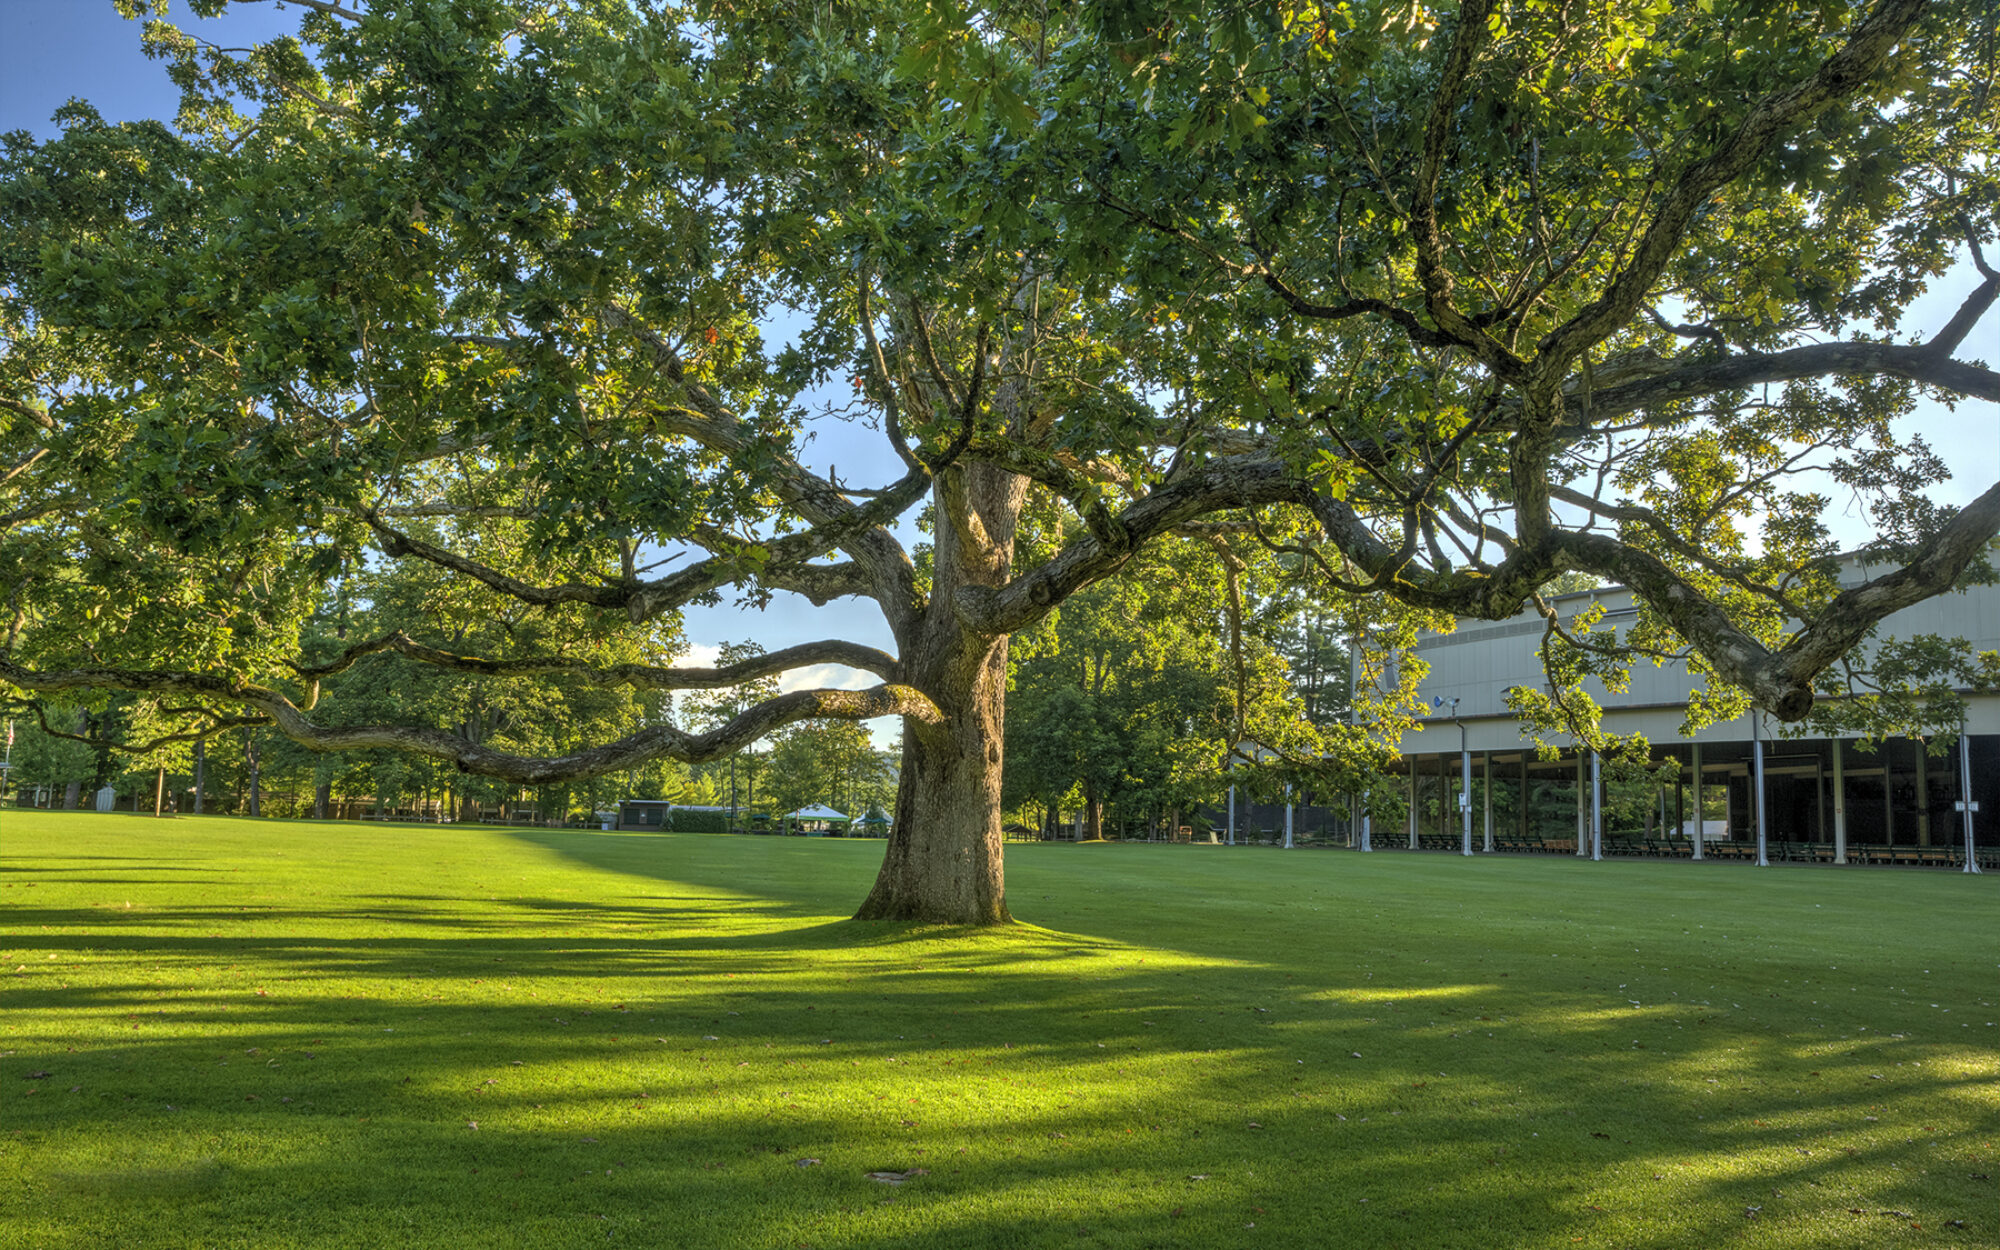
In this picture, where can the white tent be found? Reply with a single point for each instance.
(818, 811)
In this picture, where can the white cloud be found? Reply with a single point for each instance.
(886, 730)
(827, 677)
(699, 655)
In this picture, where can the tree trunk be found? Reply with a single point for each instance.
(942, 864)
(200, 771)
(321, 793)
(943, 861)
(1093, 816)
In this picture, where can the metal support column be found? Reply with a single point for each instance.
(1757, 780)
(1416, 812)
(1839, 801)
(1965, 803)
(1521, 810)
(1923, 794)
(1464, 794)
(1582, 811)
(1596, 807)
(1888, 792)
(1486, 759)
(1681, 809)
(1700, 811)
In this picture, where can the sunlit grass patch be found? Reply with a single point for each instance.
(330, 1035)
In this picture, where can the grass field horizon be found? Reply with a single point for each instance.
(224, 1032)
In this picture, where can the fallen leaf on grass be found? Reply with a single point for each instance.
(38, 1076)
(805, 1163)
(897, 1178)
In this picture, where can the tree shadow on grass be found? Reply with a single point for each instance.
(1359, 1080)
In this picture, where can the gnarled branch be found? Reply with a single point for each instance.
(652, 743)
(638, 676)
(1841, 74)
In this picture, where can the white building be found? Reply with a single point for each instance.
(1821, 800)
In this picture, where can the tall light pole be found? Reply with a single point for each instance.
(1464, 775)
(1965, 801)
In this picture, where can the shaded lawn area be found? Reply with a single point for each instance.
(237, 1033)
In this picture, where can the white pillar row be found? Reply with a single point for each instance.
(1700, 825)
(1486, 759)
(1839, 801)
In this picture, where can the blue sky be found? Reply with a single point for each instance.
(52, 50)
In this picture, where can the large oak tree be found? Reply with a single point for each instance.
(1448, 303)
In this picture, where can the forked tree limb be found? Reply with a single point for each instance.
(1921, 363)
(782, 562)
(710, 423)
(637, 676)
(656, 742)
(1779, 680)
(1426, 235)
(1848, 70)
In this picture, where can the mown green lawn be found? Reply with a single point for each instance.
(235, 1033)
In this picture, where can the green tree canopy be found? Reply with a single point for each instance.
(1444, 303)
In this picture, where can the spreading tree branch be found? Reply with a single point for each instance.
(638, 676)
(1842, 74)
(652, 743)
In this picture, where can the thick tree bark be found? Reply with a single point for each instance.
(943, 861)
(321, 793)
(71, 793)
